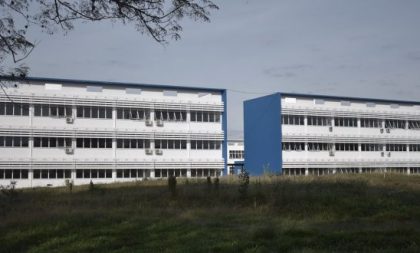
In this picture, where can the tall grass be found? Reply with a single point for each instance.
(356, 213)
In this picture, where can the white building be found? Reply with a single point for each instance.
(55, 130)
(236, 156)
(296, 134)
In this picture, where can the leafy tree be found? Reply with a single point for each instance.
(159, 19)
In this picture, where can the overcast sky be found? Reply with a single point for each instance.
(367, 48)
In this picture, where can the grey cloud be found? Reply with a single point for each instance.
(414, 56)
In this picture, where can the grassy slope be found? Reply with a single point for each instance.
(367, 213)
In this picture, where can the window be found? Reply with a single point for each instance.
(130, 173)
(14, 109)
(345, 122)
(94, 112)
(371, 147)
(319, 121)
(199, 116)
(346, 147)
(94, 143)
(370, 123)
(396, 147)
(293, 146)
(319, 146)
(170, 144)
(15, 142)
(44, 110)
(133, 143)
(52, 174)
(236, 154)
(415, 147)
(13, 174)
(133, 113)
(170, 115)
(414, 124)
(292, 120)
(52, 142)
(93, 173)
(204, 144)
(392, 124)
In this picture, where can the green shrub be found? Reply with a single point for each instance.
(172, 185)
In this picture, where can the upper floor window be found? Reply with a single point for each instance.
(371, 147)
(314, 146)
(414, 124)
(94, 112)
(204, 144)
(44, 110)
(346, 146)
(170, 115)
(292, 120)
(133, 113)
(370, 123)
(52, 142)
(133, 143)
(12, 141)
(236, 154)
(293, 146)
(345, 122)
(396, 147)
(319, 121)
(94, 143)
(170, 144)
(14, 109)
(393, 123)
(198, 116)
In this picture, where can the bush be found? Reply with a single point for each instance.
(216, 185)
(172, 185)
(243, 183)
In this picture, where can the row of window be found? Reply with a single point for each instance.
(314, 146)
(17, 109)
(348, 122)
(104, 173)
(236, 154)
(200, 144)
(98, 112)
(53, 142)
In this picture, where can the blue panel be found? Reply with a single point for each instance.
(262, 134)
(225, 129)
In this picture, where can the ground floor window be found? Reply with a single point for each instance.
(52, 174)
(205, 172)
(13, 174)
(170, 172)
(93, 173)
(131, 173)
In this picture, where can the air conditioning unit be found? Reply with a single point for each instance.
(332, 153)
(69, 150)
(330, 128)
(382, 154)
(159, 122)
(149, 122)
(382, 130)
(388, 130)
(158, 151)
(149, 151)
(69, 120)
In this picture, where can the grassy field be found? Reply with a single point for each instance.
(355, 213)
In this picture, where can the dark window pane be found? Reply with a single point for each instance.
(86, 143)
(102, 112)
(94, 143)
(53, 142)
(119, 113)
(68, 142)
(80, 112)
(37, 174)
(67, 173)
(1, 141)
(108, 143)
(9, 109)
(25, 110)
(102, 143)
(9, 141)
(2, 108)
(60, 142)
(25, 141)
(24, 174)
(95, 112)
(45, 111)
(44, 142)
(61, 111)
(86, 111)
(109, 113)
(79, 143)
(69, 111)
(86, 173)
(79, 173)
(126, 143)
(54, 111)
(133, 143)
(60, 174)
(37, 142)
(119, 143)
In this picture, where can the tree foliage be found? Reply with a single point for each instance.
(159, 19)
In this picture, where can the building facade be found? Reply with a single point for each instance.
(53, 131)
(236, 156)
(297, 134)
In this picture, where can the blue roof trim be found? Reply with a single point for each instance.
(358, 99)
(90, 82)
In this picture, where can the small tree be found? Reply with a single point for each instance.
(172, 185)
(216, 185)
(91, 186)
(243, 183)
(209, 186)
